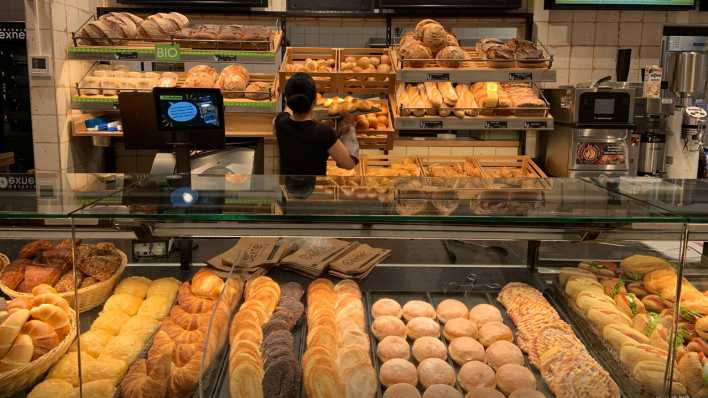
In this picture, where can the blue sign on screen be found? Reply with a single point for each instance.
(182, 111)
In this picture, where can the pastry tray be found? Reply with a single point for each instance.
(475, 295)
(600, 348)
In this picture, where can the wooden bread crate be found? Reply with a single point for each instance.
(352, 82)
(327, 82)
(381, 137)
(513, 173)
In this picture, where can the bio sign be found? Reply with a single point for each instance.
(167, 52)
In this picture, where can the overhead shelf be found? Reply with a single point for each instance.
(438, 123)
(110, 103)
(103, 53)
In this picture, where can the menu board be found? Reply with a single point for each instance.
(620, 3)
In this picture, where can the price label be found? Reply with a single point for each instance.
(536, 124)
(520, 76)
(431, 124)
(438, 76)
(495, 124)
(127, 55)
(167, 52)
(17, 183)
(225, 58)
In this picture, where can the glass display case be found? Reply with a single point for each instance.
(566, 287)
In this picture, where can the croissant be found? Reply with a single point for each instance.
(19, 303)
(192, 303)
(50, 298)
(186, 320)
(144, 382)
(10, 328)
(183, 379)
(182, 336)
(43, 288)
(162, 344)
(207, 284)
(19, 355)
(44, 337)
(54, 316)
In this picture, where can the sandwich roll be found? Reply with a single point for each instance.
(702, 327)
(632, 353)
(629, 304)
(641, 264)
(601, 317)
(587, 300)
(569, 272)
(655, 303)
(577, 284)
(691, 369)
(606, 269)
(650, 375)
(620, 334)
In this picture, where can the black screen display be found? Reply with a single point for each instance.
(189, 109)
(498, 4)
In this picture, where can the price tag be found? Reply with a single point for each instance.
(431, 124)
(495, 124)
(225, 58)
(127, 55)
(536, 124)
(520, 76)
(167, 52)
(438, 76)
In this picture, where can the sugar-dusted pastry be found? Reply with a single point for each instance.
(476, 374)
(110, 321)
(466, 349)
(418, 308)
(484, 313)
(435, 371)
(511, 377)
(460, 327)
(494, 331)
(401, 390)
(451, 309)
(393, 347)
(124, 302)
(52, 388)
(388, 325)
(422, 326)
(429, 347)
(133, 285)
(396, 371)
(386, 306)
(441, 391)
(503, 352)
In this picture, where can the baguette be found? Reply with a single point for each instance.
(425, 101)
(433, 94)
(448, 93)
(420, 104)
(461, 91)
(471, 102)
(403, 100)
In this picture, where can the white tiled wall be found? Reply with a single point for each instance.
(585, 43)
(54, 147)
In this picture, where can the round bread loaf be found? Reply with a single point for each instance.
(393, 347)
(503, 352)
(494, 331)
(422, 24)
(466, 349)
(386, 306)
(441, 391)
(476, 374)
(418, 308)
(434, 37)
(396, 371)
(511, 377)
(388, 325)
(483, 392)
(435, 371)
(422, 326)
(526, 393)
(401, 390)
(484, 313)
(451, 309)
(451, 56)
(416, 50)
(460, 327)
(429, 347)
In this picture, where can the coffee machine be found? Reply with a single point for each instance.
(685, 60)
(593, 122)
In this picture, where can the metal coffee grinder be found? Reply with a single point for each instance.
(686, 62)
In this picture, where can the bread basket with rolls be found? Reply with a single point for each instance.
(100, 267)
(35, 332)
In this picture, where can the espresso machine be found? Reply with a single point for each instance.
(593, 123)
(685, 60)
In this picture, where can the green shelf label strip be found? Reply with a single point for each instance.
(183, 52)
(88, 100)
(241, 104)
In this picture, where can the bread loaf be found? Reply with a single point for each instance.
(121, 23)
(258, 91)
(415, 50)
(451, 56)
(448, 93)
(20, 354)
(433, 94)
(421, 25)
(101, 32)
(434, 37)
(162, 25)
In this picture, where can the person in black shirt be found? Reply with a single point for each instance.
(304, 144)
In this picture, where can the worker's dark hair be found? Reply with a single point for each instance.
(300, 92)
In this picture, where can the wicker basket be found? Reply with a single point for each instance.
(90, 297)
(19, 379)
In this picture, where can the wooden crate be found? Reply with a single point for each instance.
(372, 163)
(513, 173)
(327, 82)
(380, 138)
(365, 82)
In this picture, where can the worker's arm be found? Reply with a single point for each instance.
(341, 155)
